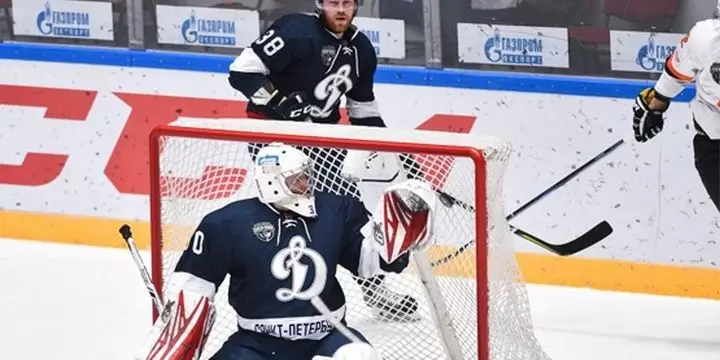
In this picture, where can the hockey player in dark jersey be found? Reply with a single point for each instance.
(281, 250)
(299, 70)
(303, 64)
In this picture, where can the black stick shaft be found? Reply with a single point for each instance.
(126, 233)
(564, 180)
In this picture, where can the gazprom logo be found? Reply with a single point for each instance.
(651, 56)
(208, 31)
(63, 23)
(514, 50)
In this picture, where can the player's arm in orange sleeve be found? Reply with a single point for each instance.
(680, 69)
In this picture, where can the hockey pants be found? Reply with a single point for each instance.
(707, 163)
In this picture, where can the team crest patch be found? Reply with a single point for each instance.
(264, 231)
(715, 72)
(327, 54)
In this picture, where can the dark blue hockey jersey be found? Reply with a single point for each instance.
(298, 54)
(278, 261)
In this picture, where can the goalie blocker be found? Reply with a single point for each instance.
(270, 287)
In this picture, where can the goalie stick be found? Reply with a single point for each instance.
(591, 237)
(126, 233)
(319, 304)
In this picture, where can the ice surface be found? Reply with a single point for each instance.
(77, 302)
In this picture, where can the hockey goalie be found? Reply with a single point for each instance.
(281, 250)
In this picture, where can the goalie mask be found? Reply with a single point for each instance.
(284, 178)
(404, 219)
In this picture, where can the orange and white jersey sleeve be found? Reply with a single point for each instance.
(697, 59)
(682, 66)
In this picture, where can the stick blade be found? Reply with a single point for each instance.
(586, 240)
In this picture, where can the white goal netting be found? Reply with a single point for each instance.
(205, 164)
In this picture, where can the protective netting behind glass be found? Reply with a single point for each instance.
(432, 319)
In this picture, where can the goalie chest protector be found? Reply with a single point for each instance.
(278, 262)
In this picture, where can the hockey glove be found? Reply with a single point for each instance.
(403, 220)
(647, 122)
(293, 107)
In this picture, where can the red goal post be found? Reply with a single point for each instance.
(195, 166)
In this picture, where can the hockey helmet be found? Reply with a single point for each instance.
(284, 179)
(319, 7)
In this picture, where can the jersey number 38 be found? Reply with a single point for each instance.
(273, 43)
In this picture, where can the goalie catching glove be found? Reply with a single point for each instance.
(404, 219)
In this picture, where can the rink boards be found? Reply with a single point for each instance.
(74, 140)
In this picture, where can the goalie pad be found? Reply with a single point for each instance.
(356, 351)
(182, 329)
(404, 219)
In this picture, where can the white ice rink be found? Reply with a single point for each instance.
(75, 302)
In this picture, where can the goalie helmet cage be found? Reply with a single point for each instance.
(471, 305)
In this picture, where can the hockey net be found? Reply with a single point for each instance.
(461, 311)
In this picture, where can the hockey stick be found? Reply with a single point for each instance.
(360, 349)
(127, 236)
(450, 200)
(319, 304)
(591, 237)
(588, 239)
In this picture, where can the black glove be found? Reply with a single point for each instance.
(292, 107)
(647, 122)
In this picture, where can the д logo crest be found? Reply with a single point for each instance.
(330, 89)
(286, 264)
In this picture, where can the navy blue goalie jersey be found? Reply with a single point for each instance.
(298, 54)
(277, 262)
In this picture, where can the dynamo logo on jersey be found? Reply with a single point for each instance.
(63, 23)
(514, 50)
(208, 31)
(652, 56)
